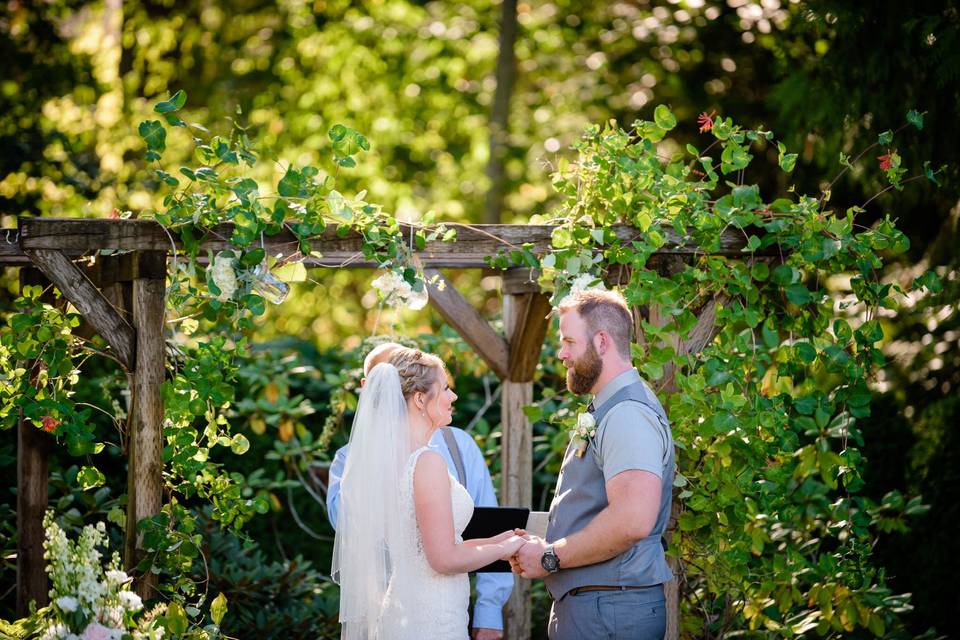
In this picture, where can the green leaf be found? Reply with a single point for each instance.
(239, 444)
(289, 185)
(337, 132)
(90, 477)
(175, 103)
(799, 294)
(664, 117)
(885, 138)
(253, 258)
(154, 134)
(291, 272)
(760, 271)
(930, 174)
(176, 618)
(788, 161)
(915, 118)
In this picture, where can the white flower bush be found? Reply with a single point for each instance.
(395, 291)
(88, 602)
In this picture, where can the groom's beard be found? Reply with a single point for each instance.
(584, 373)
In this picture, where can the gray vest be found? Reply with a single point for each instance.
(581, 494)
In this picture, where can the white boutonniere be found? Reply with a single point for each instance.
(586, 430)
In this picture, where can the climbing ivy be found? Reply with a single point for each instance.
(772, 534)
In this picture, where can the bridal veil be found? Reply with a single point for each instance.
(370, 522)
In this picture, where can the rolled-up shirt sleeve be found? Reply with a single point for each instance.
(630, 437)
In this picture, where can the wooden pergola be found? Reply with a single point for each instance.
(121, 297)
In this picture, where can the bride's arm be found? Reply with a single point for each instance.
(431, 496)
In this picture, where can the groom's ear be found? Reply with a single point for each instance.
(601, 342)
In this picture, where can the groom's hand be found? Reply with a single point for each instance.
(487, 634)
(527, 561)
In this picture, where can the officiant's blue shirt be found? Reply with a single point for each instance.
(493, 589)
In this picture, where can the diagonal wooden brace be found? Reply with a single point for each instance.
(95, 308)
(464, 318)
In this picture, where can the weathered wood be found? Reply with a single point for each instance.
(520, 280)
(458, 313)
(516, 487)
(474, 244)
(146, 439)
(516, 477)
(77, 288)
(33, 450)
(526, 339)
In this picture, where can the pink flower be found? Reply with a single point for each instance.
(886, 160)
(96, 631)
(706, 121)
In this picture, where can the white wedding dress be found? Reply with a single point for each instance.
(426, 604)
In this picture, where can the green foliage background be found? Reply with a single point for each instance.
(418, 80)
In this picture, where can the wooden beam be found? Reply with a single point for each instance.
(77, 288)
(145, 487)
(458, 313)
(526, 339)
(33, 450)
(516, 477)
(474, 244)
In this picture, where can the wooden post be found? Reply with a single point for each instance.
(145, 469)
(33, 448)
(525, 324)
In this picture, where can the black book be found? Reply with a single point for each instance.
(490, 521)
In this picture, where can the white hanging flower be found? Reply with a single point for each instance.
(396, 291)
(586, 281)
(223, 275)
(68, 604)
(583, 282)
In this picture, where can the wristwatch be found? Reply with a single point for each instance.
(549, 560)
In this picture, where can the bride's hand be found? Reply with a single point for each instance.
(511, 546)
(500, 537)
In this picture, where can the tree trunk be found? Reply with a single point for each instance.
(506, 74)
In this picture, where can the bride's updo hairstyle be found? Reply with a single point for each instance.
(418, 370)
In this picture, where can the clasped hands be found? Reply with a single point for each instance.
(525, 551)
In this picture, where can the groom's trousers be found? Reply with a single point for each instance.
(635, 614)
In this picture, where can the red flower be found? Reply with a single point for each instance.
(114, 214)
(50, 423)
(705, 121)
(886, 160)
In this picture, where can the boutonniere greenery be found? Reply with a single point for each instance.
(585, 431)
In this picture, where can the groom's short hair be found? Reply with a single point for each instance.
(379, 354)
(603, 310)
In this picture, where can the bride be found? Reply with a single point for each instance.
(398, 554)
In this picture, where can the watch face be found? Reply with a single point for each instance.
(550, 562)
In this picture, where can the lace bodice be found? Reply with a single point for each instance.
(421, 603)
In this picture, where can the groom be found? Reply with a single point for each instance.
(602, 560)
